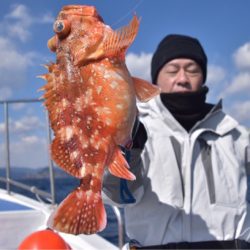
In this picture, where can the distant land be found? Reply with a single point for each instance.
(31, 173)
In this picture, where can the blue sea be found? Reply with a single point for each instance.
(63, 187)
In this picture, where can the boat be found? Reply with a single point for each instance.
(21, 215)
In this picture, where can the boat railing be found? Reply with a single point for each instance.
(40, 194)
(50, 197)
(33, 189)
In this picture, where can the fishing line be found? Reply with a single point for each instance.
(128, 13)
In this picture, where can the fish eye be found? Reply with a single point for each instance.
(61, 28)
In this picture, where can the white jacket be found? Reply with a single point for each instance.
(190, 186)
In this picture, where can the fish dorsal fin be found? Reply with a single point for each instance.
(145, 90)
(117, 42)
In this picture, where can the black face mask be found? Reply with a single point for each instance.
(187, 108)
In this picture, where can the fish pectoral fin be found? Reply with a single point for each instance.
(119, 166)
(81, 212)
(145, 90)
(117, 42)
(84, 55)
(61, 154)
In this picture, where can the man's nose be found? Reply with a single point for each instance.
(182, 76)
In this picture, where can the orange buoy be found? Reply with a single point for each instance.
(44, 239)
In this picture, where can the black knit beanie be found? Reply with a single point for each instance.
(178, 46)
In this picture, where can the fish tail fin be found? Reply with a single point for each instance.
(81, 212)
(117, 42)
(119, 166)
(145, 90)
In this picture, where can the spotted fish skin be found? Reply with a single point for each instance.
(91, 100)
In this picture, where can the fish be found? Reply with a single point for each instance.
(91, 100)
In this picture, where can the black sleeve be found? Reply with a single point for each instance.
(139, 135)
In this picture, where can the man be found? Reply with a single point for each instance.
(189, 161)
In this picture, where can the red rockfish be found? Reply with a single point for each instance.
(91, 100)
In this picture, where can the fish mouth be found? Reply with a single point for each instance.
(52, 43)
(78, 56)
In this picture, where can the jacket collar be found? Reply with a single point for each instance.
(215, 121)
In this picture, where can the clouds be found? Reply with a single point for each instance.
(215, 74)
(240, 84)
(28, 145)
(242, 57)
(241, 110)
(18, 22)
(236, 89)
(15, 27)
(29, 151)
(139, 65)
(13, 67)
(26, 124)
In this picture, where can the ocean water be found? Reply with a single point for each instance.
(63, 187)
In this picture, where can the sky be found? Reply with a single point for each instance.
(223, 28)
